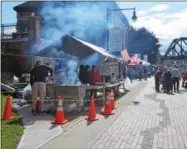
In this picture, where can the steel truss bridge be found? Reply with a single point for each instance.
(177, 49)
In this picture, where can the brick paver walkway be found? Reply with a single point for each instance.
(157, 121)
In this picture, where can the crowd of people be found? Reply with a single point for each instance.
(170, 78)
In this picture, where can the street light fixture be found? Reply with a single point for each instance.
(134, 17)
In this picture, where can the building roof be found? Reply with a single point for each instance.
(28, 6)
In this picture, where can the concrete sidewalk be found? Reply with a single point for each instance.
(38, 129)
(159, 121)
(81, 135)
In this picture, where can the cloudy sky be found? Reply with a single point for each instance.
(167, 20)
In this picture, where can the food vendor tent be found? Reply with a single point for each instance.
(145, 63)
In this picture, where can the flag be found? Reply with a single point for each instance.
(125, 55)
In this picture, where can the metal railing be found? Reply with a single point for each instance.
(10, 31)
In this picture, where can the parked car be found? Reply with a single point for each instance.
(7, 90)
(19, 89)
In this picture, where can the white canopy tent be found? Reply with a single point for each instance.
(145, 63)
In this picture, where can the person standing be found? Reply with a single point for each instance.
(176, 75)
(163, 78)
(87, 74)
(38, 84)
(129, 72)
(81, 73)
(94, 78)
(145, 73)
(158, 75)
(168, 81)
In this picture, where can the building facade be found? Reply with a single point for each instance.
(30, 29)
(108, 36)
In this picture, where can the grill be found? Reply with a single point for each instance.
(68, 92)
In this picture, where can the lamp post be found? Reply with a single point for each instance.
(134, 18)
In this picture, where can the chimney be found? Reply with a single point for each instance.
(34, 29)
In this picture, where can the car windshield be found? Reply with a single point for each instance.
(19, 86)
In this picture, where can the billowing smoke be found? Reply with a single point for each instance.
(84, 20)
(93, 59)
(65, 66)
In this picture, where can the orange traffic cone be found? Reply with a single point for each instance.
(113, 104)
(92, 113)
(59, 118)
(8, 109)
(108, 108)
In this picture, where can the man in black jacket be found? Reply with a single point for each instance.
(38, 84)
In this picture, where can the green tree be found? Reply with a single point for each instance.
(143, 41)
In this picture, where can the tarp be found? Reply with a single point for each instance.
(96, 48)
(145, 63)
(134, 60)
(78, 47)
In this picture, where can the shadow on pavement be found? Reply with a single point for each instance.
(89, 122)
(136, 102)
(53, 126)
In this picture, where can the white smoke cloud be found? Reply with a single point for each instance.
(74, 17)
(85, 20)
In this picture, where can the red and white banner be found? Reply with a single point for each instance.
(135, 60)
(125, 55)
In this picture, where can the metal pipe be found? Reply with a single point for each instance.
(121, 9)
(107, 31)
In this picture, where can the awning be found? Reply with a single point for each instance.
(79, 48)
(145, 63)
(100, 50)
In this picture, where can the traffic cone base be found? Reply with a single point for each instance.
(10, 118)
(56, 122)
(108, 113)
(95, 119)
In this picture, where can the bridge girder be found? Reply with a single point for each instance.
(177, 49)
